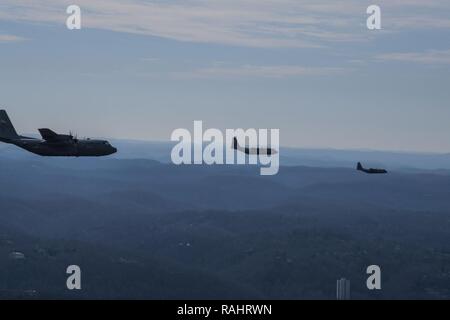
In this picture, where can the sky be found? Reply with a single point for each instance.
(141, 69)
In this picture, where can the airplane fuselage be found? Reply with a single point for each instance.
(256, 151)
(373, 171)
(252, 151)
(70, 148)
(53, 144)
(359, 167)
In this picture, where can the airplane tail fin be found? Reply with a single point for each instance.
(7, 130)
(359, 166)
(235, 143)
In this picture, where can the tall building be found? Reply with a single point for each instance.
(343, 289)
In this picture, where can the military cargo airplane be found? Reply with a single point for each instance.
(53, 144)
(257, 151)
(359, 167)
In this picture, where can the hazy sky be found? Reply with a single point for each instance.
(140, 69)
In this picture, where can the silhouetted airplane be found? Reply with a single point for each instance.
(257, 151)
(359, 167)
(53, 144)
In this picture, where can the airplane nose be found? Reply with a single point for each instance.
(111, 150)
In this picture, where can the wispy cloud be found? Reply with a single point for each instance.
(255, 23)
(252, 71)
(10, 38)
(438, 57)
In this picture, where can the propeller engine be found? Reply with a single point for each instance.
(72, 137)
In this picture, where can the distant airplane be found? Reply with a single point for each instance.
(53, 144)
(257, 151)
(359, 167)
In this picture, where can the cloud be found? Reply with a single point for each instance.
(437, 57)
(10, 38)
(253, 23)
(252, 71)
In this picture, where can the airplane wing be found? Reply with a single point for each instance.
(51, 136)
(48, 134)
